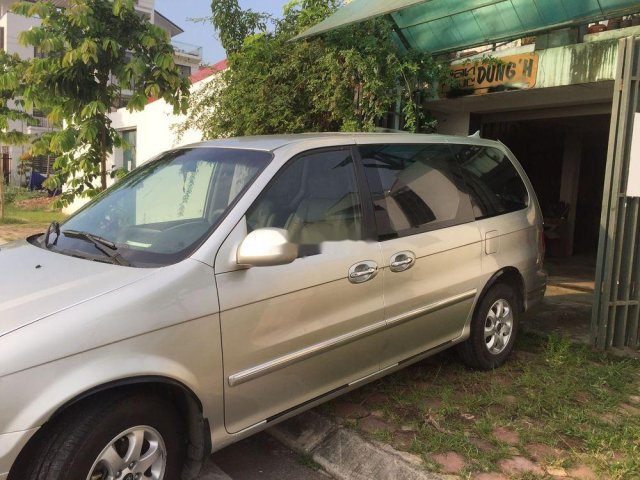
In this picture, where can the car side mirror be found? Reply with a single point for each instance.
(266, 247)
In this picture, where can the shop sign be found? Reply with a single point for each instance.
(513, 72)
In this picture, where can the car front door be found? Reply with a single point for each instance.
(293, 333)
(430, 245)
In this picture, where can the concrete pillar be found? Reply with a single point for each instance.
(569, 186)
(453, 123)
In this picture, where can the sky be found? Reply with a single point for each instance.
(202, 34)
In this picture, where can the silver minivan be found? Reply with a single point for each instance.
(228, 285)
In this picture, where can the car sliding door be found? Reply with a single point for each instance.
(430, 245)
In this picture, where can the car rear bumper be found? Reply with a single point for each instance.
(10, 446)
(537, 289)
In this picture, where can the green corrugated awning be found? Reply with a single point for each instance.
(439, 26)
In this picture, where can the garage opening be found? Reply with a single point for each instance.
(565, 158)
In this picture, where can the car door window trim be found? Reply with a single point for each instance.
(465, 214)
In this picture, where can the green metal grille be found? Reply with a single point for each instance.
(439, 26)
(616, 310)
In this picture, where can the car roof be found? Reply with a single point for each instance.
(270, 143)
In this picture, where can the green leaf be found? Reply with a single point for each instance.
(84, 45)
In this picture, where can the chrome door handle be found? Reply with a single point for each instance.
(363, 271)
(402, 261)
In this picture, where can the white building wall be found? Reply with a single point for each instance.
(13, 24)
(155, 128)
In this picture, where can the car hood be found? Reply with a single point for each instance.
(36, 283)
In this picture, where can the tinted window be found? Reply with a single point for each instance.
(492, 181)
(314, 197)
(415, 188)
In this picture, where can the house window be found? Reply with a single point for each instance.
(129, 152)
(185, 70)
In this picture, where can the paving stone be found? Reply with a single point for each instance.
(376, 399)
(632, 398)
(572, 443)
(583, 397)
(557, 472)
(422, 385)
(582, 472)
(526, 357)
(403, 440)
(540, 452)
(432, 403)
(510, 399)
(377, 413)
(618, 456)
(489, 476)
(610, 419)
(350, 410)
(450, 462)
(629, 409)
(518, 466)
(506, 436)
(481, 445)
(373, 424)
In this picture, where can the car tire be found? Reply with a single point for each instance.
(82, 443)
(493, 329)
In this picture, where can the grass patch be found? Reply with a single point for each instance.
(40, 215)
(306, 460)
(583, 405)
(23, 206)
(27, 213)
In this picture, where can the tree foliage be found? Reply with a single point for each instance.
(89, 53)
(342, 81)
(12, 112)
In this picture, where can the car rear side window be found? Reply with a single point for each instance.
(493, 182)
(415, 188)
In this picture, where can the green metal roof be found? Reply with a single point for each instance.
(438, 26)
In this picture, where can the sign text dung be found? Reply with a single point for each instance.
(505, 73)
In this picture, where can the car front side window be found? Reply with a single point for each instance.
(315, 198)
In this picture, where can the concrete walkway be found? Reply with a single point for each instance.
(260, 457)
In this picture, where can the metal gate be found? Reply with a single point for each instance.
(616, 308)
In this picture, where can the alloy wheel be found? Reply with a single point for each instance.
(498, 327)
(138, 453)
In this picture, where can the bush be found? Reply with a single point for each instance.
(13, 194)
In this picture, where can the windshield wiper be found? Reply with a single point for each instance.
(55, 227)
(105, 246)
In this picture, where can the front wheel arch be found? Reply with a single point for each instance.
(186, 402)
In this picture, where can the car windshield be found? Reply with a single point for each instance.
(161, 212)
